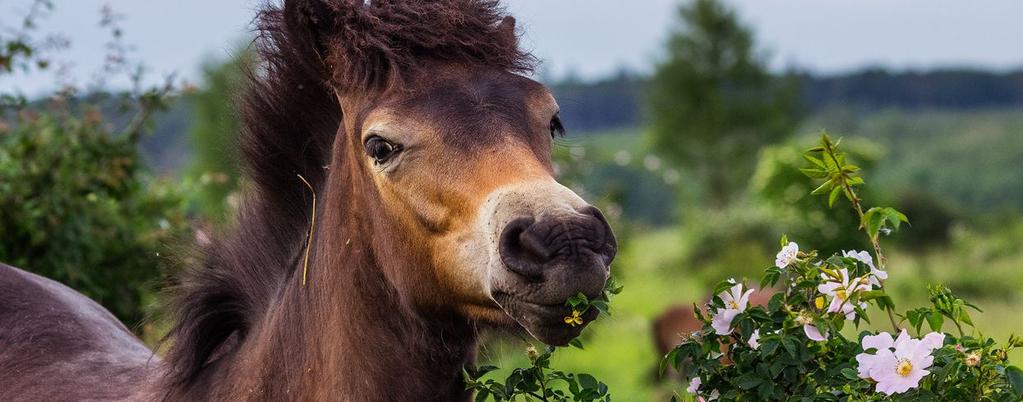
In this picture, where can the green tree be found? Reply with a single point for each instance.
(712, 102)
(76, 204)
(213, 134)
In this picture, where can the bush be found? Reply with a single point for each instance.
(75, 206)
(794, 348)
(75, 203)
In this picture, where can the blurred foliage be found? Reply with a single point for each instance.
(971, 158)
(876, 88)
(77, 207)
(713, 103)
(632, 187)
(76, 204)
(933, 220)
(722, 243)
(778, 186)
(617, 101)
(213, 136)
(991, 243)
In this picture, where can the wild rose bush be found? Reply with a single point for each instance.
(794, 348)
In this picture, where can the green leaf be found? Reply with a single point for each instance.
(482, 371)
(722, 286)
(789, 343)
(819, 163)
(935, 321)
(916, 317)
(771, 276)
(850, 374)
(823, 188)
(748, 381)
(895, 217)
(668, 359)
(587, 381)
(1015, 376)
(776, 302)
(814, 173)
(578, 300)
(575, 342)
(835, 192)
(873, 220)
(965, 317)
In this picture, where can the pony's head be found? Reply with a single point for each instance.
(448, 150)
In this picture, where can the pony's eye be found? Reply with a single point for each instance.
(557, 129)
(380, 149)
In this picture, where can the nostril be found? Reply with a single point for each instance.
(594, 212)
(522, 251)
(609, 245)
(535, 247)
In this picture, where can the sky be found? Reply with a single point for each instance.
(586, 38)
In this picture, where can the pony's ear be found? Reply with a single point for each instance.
(507, 29)
(311, 20)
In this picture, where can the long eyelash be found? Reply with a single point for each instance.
(557, 128)
(564, 142)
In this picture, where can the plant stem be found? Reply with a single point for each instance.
(543, 385)
(959, 327)
(855, 200)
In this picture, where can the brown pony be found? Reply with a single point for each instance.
(428, 157)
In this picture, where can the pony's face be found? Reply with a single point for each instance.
(462, 167)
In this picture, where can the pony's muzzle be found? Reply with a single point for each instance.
(568, 253)
(545, 245)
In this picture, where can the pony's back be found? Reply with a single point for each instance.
(58, 345)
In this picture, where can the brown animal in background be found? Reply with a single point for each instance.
(429, 156)
(678, 321)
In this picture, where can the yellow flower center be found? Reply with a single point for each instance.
(904, 368)
(840, 294)
(733, 305)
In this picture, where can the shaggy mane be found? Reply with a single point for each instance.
(306, 50)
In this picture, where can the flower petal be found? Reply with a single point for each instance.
(933, 340)
(744, 300)
(880, 341)
(829, 288)
(814, 334)
(865, 363)
(903, 341)
(694, 385)
(722, 321)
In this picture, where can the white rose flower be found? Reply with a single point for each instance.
(787, 255)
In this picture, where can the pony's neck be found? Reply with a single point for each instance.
(349, 334)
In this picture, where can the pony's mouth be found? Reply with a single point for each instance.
(553, 324)
(544, 245)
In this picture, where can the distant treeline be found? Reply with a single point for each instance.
(618, 101)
